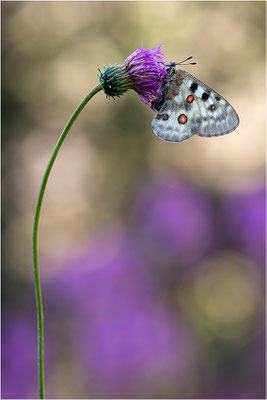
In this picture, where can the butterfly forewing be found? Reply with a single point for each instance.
(190, 107)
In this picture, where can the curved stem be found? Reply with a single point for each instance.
(39, 303)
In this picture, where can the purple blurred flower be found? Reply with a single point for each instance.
(127, 341)
(110, 260)
(174, 222)
(143, 71)
(136, 351)
(19, 355)
(243, 216)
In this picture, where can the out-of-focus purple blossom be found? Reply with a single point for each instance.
(110, 260)
(136, 352)
(19, 358)
(174, 222)
(143, 71)
(243, 216)
(126, 339)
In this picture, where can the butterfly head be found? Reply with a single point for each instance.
(171, 65)
(171, 69)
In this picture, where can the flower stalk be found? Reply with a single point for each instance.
(143, 71)
(39, 303)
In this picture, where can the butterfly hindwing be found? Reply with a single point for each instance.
(190, 107)
(171, 123)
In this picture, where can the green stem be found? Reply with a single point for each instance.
(39, 303)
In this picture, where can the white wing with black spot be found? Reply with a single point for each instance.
(217, 116)
(190, 107)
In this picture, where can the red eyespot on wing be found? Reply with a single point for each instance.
(190, 99)
(182, 119)
(165, 117)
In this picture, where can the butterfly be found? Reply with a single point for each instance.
(188, 107)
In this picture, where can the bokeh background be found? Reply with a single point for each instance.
(151, 253)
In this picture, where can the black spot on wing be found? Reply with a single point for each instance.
(205, 96)
(194, 87)
(212, 107)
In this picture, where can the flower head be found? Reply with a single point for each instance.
(143, 71)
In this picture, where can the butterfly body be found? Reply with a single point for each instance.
(188, 107)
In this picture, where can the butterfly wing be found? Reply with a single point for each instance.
(171, 122)
(191, 107)
(217, 116)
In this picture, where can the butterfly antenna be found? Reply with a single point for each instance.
(185, 63)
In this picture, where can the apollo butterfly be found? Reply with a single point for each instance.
(188, 107)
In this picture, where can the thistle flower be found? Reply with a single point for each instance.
(143, 71)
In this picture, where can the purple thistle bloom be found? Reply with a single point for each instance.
(146, 71)
(143, 71)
